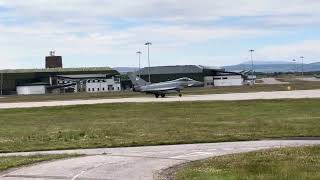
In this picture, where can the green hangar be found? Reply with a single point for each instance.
(167, 73)
(40, 81)
(211, 76)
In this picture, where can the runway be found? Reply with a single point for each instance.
(299, 94)
(272, 81)
(136, 163)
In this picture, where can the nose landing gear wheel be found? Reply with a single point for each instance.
(180, 95)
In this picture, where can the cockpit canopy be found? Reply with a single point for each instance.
(184, 79)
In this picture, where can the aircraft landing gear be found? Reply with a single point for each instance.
(163, 95)
(180, 95)
(157, 95)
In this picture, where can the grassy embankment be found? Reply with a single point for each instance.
(299, 85)
(281, 164)
(17, 161)
(114, 125)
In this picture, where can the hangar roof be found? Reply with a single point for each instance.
(83, 76)
(180, 69)
(55, 70)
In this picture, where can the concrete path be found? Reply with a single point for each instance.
(311, 79)
(272, 81)
(141, 163)
(299, 94)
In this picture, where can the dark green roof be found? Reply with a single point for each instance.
(181, 69)
(55, 70)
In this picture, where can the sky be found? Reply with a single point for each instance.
(90, 33)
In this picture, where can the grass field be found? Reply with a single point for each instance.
(280, 164)
(69, 96)
(296, 85)
(299, 85)
(17, 161)
(115, 125)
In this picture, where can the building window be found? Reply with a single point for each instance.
(89, 89)
(118, 88)
(102, 89)
(92, 89)
(98, 89)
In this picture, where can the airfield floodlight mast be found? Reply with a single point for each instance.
(294, 66)
(252, 74)
(302, 66)
(1, 84)
(148, 44)
(139, 54)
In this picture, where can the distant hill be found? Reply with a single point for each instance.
(267, 62)
(316, 63)
(274, 66)
(125, 69)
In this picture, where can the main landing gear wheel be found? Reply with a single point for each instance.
(157, 95)
(180, 95)
(163, 95)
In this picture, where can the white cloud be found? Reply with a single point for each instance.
(164, 9)
(309, 49)
(95, 27)
(7, 61)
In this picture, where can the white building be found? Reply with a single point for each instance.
(89, 83)
(103, 85)
(232, 80)
(224, 79)
(31, 89)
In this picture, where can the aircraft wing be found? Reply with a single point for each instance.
(162, 89)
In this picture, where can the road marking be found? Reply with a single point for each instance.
(82, 172)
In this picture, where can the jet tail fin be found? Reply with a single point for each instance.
(136, 81)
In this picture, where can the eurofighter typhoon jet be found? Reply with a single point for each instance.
(162, 88)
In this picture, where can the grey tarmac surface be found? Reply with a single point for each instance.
(271, 81)
(136, 163)
(299, 94)
(311, 79)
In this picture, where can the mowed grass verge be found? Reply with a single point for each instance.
(139, 124)
(17, 161)
(282, 164)
(296, 85)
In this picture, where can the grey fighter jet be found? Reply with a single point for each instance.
(162, 88)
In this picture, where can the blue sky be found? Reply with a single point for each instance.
(108, 33)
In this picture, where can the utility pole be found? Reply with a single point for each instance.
(295, 66)
(1, 84)
(139, 54)
(302, 66)
(252, 74)
(148, 44)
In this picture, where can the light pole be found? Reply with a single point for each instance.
(251, 52)
(139, 54)
(294, 66)
(302, 66)
(148, 44)
(1, 84)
